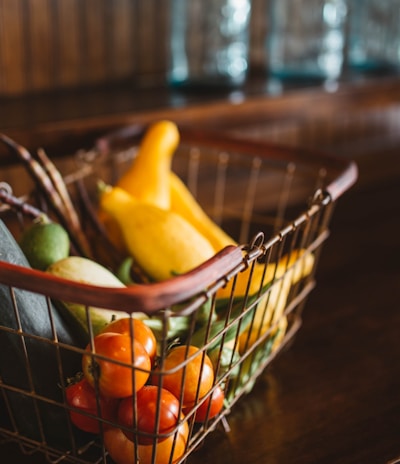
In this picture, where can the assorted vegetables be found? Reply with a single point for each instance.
(141, 380)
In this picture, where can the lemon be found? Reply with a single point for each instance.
(44, 243)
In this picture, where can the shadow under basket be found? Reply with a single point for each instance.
(239, 308)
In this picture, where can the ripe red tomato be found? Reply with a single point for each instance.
(140, 331)
(157, 413)
(122, 450)
(82, 396)
(112, 365)
(210, 407)
(198, 373)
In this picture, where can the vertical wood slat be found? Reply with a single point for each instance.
(56, 44)
(39, 25)
(12, 49)
(151, 39)
(69, 52)
(48, 45)
(94, 37)
(121, 48)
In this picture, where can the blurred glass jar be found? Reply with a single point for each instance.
(374, 35)
(209, 42)
(306, 38)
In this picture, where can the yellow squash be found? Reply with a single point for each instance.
(260, 277)
(183, 203)
(147, 178)
(162, 242)
(150, 179)
(269, 312)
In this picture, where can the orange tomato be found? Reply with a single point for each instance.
(123, 451)
(197, 372)
(174, 445)
(111, 365)
(138, 329)
(119, 447)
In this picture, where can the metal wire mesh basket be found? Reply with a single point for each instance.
(239, 308)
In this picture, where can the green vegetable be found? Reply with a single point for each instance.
(213, 333)
(46, 366)
(44, 243)
(124, 271)
(178, 327)
(242, 379)
(225, 359)
(205, 313)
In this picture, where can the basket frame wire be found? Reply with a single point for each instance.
(307, 231)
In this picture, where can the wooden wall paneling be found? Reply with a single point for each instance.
(40, 44)
(95, 36)
(151, 40)
(48, 45)
(13, 78)
(121, 40)
(69, 36)
(55, 44)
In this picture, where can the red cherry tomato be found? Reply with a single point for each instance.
(209, 407)
(82, 396)
(198, 373)
(140, 331)
(154, 406)
(122, 450)
(111, 365)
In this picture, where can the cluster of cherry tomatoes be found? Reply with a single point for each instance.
(142, 409)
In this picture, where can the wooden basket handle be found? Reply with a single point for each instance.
(147, 298)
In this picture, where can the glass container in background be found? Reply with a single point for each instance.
(374, 35)
(306, 38)
(209, 42)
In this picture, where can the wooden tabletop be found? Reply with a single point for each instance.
(334, 395)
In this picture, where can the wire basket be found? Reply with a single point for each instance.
(239, 308)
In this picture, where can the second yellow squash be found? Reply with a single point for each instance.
(162, 242)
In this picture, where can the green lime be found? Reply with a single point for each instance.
(44, 243)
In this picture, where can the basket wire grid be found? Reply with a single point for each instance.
(276, 202)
